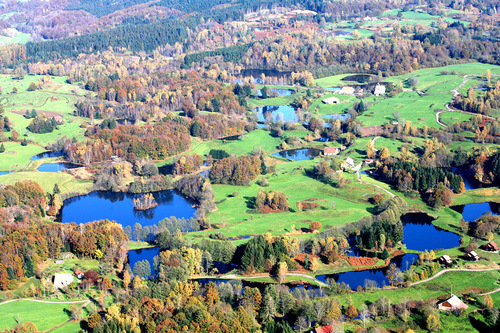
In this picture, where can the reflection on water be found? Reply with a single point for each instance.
(299, 154)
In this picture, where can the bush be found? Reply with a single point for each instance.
(234, 194)
(263, 182)
(315, 226)
(13, 284)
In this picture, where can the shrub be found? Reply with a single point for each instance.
(263, 182)
(315, 226)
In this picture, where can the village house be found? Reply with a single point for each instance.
(368, 161)
(349, 162)
(331, 100)
(331, 151)
(445, 260)
(491, 246)
(79, 274)
(472, 255)
(346, 91)
(379, 90)
(62, 280)
(324, 329)
(452, 303)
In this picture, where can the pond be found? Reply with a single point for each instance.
(271, 112)
(471, 212)
(299, 154)
(355, 279)
(269, 73)
(47, 154)
(5, 172)
(262, 286)
(333, 88)
(98, 205)
(416, 225)
(143, 254)
(470, 181)
(56, 167)
(280, 92)
(341, 116)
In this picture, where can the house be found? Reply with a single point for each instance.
(343, 148)
(379, 90)
(79, 274)
(59, 262)
(491, 246)
(324, 329)
(368, 161)
(445, 260)
(62, 280)
(452, 303)
(346, 91)
(331, 151)
(331, 100)
(472, 255)
(350, 162)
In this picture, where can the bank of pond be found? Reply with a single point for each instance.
(56, 167)
(299, 154)
(471, 212)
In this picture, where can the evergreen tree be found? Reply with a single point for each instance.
(2, 148)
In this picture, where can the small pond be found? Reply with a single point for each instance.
(271, 112)
(333, 88)
(47, 154)
(299, 154)
(280, 92)
(5, 172)
(341, 116)
(56, 167)
(472, 212)
(262, 286)
(420, 234)
(355, 279)
(119, 207)
(143, 254)
(470, 181)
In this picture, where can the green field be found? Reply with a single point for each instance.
(43, 315)
(15, 37)
(450, 118)
(17, 156)
(47, 180)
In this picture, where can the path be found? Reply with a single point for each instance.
(456, 270)
(236, 277)
(380, 187)
(41, 301)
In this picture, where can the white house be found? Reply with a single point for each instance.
(452, 303)
(62, 280)
(379, 90)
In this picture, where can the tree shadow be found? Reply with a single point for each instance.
(250, 202)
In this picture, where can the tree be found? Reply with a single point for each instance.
(352, 312)
(355, 34)
(126, 279)
(32, 86)
(487, 302)
(394, 275)
(282, 271)
(314, 265)
(142, 268)
(76, 312)
(384, 153)
(384, 255)
(433, 323)
(2, 148)
(315, 226)
(14, 135)
(24, 143)
(268, 309)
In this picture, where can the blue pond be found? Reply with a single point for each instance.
(5, 172)
(55, 167)
(241, 283)
(472, 212)
(333, 88)
(271, 112)
(470, 182)
(341, 116)
(355, 279)
(143, 254)
(119, 207)
(420, 234)
(299, 154)
(280, 92)
(47, 154)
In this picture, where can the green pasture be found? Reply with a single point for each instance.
(450, 118)
(69, 327)
(332, 81)
(17, 156)
(15, 38)
(410, 105)
(43, 315)
(47, 180)
(350, 203)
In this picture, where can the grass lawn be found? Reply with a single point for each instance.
(332, 81)
(450, 118)
(136, 245)
(17, 156)
(47, 180)
(410, 105)
(351, 203)
(69, 327)
(43, 315)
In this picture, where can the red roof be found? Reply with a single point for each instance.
(78, 272)
(324, 329)
(493, 245)
(331, 150)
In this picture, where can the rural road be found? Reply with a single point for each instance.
(40, 301)
(457, 270)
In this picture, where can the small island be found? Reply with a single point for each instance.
(145, 202)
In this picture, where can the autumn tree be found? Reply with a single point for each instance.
(282, 271)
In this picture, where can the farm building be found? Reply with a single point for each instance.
(445, 260)
(346, 91)
(62, 280)
(79, 274)
(491, 246)
(331, 100)
(379, 90)
(472, 255)
(452, 303)
(368, 161)
(331, 151)
(350, 162)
